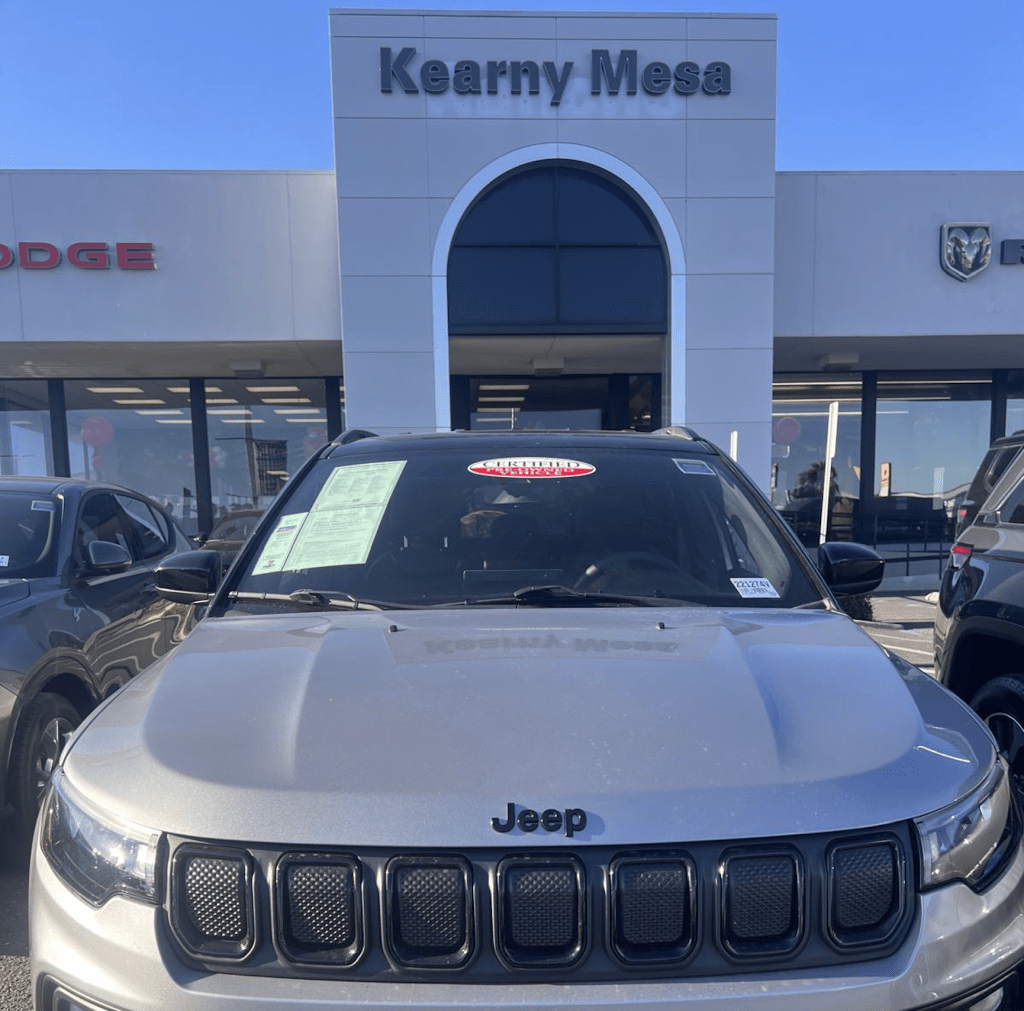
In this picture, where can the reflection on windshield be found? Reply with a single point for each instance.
(444, 527)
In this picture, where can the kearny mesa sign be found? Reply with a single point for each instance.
(85, 255)
(607, 75)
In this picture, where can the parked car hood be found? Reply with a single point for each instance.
(416, 728)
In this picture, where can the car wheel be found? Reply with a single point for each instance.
(1000, 703)
(46, 724)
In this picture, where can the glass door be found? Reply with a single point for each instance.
(507, 403)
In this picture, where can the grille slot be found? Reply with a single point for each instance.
(541, 910)
(320, 899)
(762, 903)
(429, 911)
(212, 901)
(654, 908)
(495, 915)
(866, 888)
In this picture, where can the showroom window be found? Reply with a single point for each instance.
(260, 432)
(931, 434)
(135, 433)
(1014, 401)
(25, 444)
(800, 406)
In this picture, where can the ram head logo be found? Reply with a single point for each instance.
(965, 248)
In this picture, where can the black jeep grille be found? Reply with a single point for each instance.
(541, 911)
(319, 914)
(763, 899)
(593, 913)
(866, 892)
(428, 911)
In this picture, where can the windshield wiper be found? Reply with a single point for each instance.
(318, 599)
(565, 596)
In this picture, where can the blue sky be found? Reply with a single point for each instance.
(218, 84)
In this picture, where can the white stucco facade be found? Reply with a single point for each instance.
(411, 161)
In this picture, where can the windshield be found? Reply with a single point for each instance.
(437, 528)
(28, 534)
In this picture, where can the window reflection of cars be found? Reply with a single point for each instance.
(230, 532)
(521, 720)
(79, 615)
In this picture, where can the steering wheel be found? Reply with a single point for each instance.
(624, 563)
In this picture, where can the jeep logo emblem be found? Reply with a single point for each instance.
(571, 820)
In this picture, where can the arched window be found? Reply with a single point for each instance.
(557, 248)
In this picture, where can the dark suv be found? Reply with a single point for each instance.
(979, 622)
(993, 464)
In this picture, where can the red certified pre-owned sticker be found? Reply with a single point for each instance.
(531, 467)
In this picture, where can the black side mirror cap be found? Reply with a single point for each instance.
(189, 577)
(106, 558)
(849, 568)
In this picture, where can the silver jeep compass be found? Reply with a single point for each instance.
(519, 721)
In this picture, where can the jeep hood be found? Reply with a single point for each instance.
(416, 728)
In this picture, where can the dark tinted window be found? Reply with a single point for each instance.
(103, 519)
(28, 534)
(560, 248)
(150, 534)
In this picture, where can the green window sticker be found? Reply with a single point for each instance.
(341, 526)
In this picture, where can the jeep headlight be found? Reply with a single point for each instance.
(970, 840)
(95, 853)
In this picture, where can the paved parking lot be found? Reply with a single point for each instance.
(14, 979)
(903, 623)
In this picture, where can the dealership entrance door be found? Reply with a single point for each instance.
(505, 403)
(557, 304)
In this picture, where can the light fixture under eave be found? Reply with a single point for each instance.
(550, 365)
(250, 368)
(838, 361)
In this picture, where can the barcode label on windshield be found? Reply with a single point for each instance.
(754, 587)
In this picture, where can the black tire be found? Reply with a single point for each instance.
(43, 731)
(1000, 703)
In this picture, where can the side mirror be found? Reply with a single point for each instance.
(106, 558)
(189, 577)
(849, 568)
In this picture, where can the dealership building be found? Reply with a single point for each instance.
(535, 220)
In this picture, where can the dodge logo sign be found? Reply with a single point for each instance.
(965, 248)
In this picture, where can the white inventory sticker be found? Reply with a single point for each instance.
(531, 467)
(694, 467)
(43, 506)
(754, 586)
(4, 561)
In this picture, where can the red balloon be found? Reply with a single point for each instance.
(787, 431)
(97, 431)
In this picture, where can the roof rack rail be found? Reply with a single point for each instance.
(680, 432)
(354, 435)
